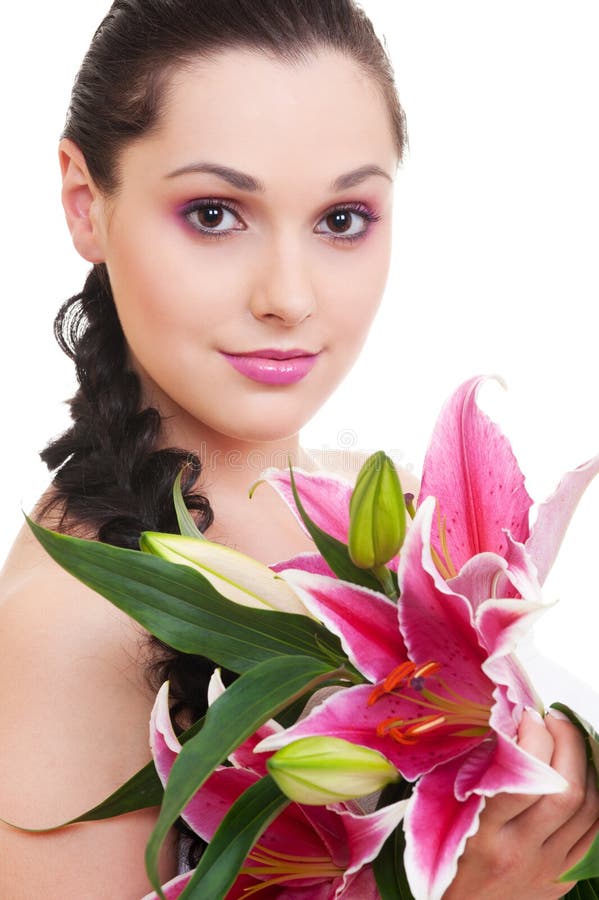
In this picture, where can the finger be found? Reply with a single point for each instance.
(574, 838)
(537, 740)
(550, 813)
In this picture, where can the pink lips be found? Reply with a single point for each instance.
(271, 366)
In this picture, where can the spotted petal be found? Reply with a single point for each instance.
(436, 623)
(471, 470)
(365, 620)
(347, 715)
(502, 766)
(437, 826)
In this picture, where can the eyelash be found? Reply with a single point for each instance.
(198, 205)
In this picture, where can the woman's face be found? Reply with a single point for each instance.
(266, 254)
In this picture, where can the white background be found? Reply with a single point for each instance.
(494, 266)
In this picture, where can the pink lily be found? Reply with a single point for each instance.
(472, 472)
(308, 853)
(446, 702)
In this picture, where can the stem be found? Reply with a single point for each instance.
(383, 576)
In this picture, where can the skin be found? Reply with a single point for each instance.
(276, 279)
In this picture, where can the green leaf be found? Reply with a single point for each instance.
(226, 853)
(334, 552)
(187, 526)
(251, 700)
(179, 606)
(588, 732)
(585, 890)
(588, 867)
(388, 867)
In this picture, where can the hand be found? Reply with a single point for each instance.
(524, 843)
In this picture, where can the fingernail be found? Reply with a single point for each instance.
(558, 714)
(534, 713)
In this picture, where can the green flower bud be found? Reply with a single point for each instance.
(377, 512)
(234, 575)
(320, 770)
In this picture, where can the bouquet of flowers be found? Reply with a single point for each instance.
(380, 666)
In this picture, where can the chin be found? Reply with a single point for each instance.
(258, 433)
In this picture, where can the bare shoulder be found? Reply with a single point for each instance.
(75, 709)
(347, 464)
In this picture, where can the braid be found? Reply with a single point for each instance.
(110, 480)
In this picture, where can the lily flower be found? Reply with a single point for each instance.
(445, 699)
(308, 853)
(472, 472)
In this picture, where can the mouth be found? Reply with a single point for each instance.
(271, 366)
(271, 353)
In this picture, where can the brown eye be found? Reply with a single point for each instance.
(210, 215)
(340, 220)
(206, 217)
(347, 223)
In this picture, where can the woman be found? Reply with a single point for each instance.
(228, 170)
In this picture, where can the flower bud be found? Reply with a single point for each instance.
(234, 575)
(377, 513)
(320, 770)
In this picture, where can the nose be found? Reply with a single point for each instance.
(283, 289)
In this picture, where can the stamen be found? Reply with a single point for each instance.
(445, 574)
(444, 564)
(450, 712)
(274, 867)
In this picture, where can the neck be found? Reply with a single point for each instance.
(229, 462)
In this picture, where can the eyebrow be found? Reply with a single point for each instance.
(245, 182)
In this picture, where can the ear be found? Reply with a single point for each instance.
(83, 203)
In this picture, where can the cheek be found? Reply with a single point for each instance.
(356, 297)
(167, 289)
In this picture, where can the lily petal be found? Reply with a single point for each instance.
(503, 623)
(324, 497)
(471, 470)
(359, 886)
(503, 766)
(346, 714)
(554, 516)
(365, 620)
(488, 575)
(426, 598)
(243, 756)
(367, 834)
(437, 826)
(307, 562)
(164, 743)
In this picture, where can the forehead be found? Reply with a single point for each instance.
(272, 118)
